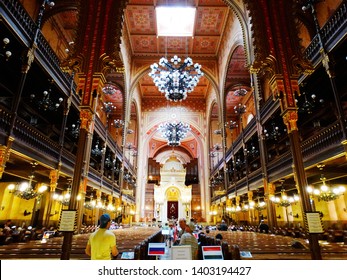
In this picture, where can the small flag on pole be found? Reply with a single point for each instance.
(156, 249)
(212, 253)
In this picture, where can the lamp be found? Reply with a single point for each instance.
(118, 123)
(326, 193)
(7, 54)
(46, 103)
(174, 132)
(176, 80)
(240, 109)
(260, 205)
(25, 190)
(109, 88)
(240, 91)
(274, 133)
(75, 130)
(63, 199)
(90, 205)
(308, 104)
(284, 200)
(108, 107)
(231, 125)
(128, 177)
(96, 151)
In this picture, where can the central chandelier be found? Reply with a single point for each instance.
(174, 132)
(176, 80)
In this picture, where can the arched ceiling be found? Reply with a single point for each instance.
(146, 48)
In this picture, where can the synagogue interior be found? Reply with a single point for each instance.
(215, 111)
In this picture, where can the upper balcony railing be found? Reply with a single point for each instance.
(332, 33)
(16, 16)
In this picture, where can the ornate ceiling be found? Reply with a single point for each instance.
(146, 47)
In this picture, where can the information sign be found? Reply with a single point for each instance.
(67, 220)
(182, 252)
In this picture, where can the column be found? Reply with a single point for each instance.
(53, 176)
(4, 156)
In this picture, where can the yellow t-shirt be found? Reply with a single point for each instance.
(101, 242)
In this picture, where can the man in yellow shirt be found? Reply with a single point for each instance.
(102, 243)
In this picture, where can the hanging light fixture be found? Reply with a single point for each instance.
(90, 205)
(109, 88)
(75, 130)
(108, 107)
(46, 103)
(240, 91)
(63, 199)
(326, 193)
(176, 79)
(260, 205)
(174, 132)
(309, 103)
(284, 200)
(25, 190)
(5, 53)
(240, 109)
(118, 123)
(96, 151)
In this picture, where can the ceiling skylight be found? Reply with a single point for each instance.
(175, 21)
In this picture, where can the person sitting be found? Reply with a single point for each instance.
(223, 226)
(219, 236)
(264, 228)
(188, 238)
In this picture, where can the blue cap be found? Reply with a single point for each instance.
(104, 219)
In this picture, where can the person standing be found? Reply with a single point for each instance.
(188, 238)
(102, 243)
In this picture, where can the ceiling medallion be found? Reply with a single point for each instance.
(174, 132)
(176, 79)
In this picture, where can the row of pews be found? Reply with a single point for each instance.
(276, 246)
(136, 239)
(128, 240)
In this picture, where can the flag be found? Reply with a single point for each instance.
(155, 249)
(212, 253)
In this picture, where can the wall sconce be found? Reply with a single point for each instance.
(278, 217)
(55, 213)
(3, 207)
(294, 215)
(26, 213)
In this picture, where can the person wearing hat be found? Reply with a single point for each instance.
(102, 243)
(188, 238)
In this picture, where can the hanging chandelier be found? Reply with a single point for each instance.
(118, 123)
(46, 103)
(109, 88)
(326, 193)
(63, 199)
(25, 190)
(260, 205)
(174, 132)
(284, 200)
(176, 80)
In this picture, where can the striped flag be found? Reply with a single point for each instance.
(155, 249)
(212, 253)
